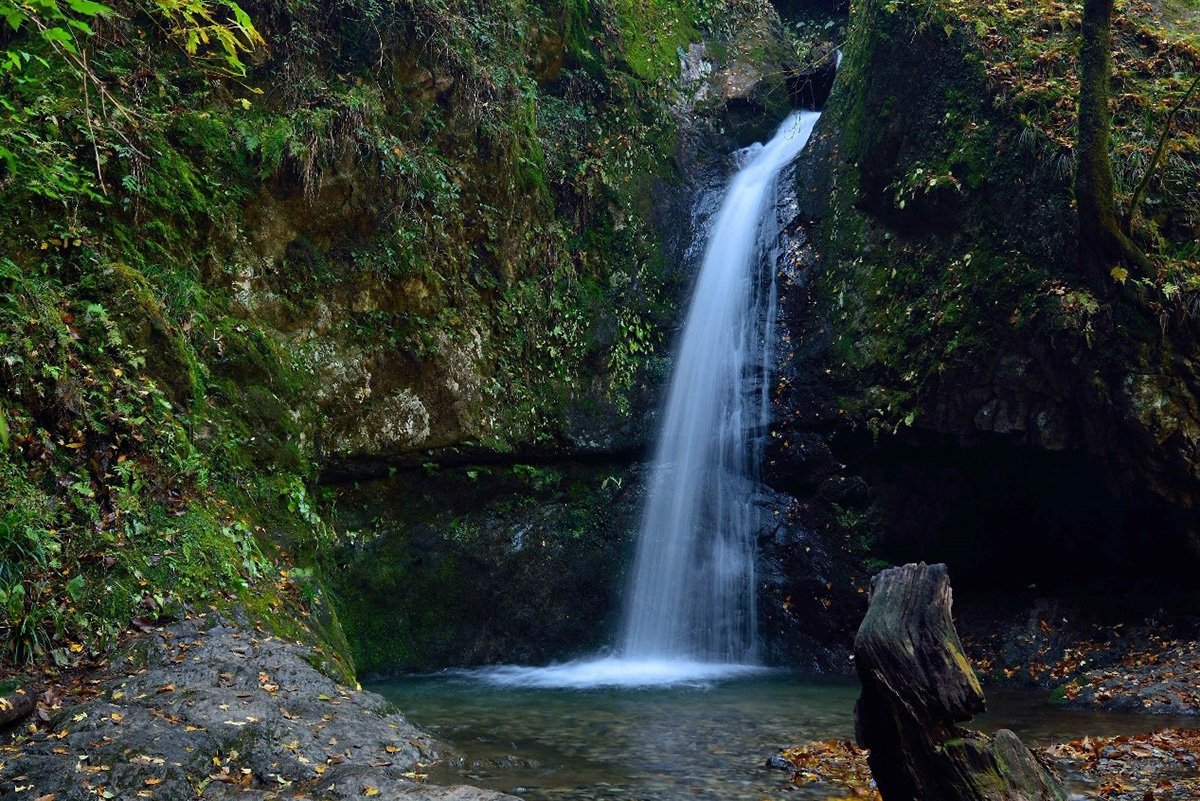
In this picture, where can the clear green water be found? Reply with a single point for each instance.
(706, 741)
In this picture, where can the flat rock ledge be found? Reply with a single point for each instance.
(211, 710)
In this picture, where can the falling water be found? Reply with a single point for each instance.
(690, 612)
(692, 596)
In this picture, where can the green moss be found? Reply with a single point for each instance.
(932, 261)
(312, 621)
(653, 32)
(465, 564)
(166, 271)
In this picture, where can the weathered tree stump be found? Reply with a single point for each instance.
(917, 686)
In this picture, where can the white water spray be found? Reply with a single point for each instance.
(690, 612)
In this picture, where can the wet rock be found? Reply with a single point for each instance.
(547, 46)
(212, 709)
(695, 69)
(484, 564)
(1142, 767)
(750, 84)
(1089, 657)
(1041, 419)
(1163, 679)
(809, 86)
(811, 591)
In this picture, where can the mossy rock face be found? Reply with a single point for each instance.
(480, 565)
(943, 339)
(147, 327)
(402, 236)
(452, 282)
(750, 85)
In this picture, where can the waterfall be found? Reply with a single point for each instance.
(690, 610)
(693, 590)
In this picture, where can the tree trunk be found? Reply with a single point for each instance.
(916, 687)
(1102, 242)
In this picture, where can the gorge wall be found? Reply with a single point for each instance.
(385, 242)
(955, 389)
(369, 340)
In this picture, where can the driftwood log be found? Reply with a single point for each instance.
(917, 686)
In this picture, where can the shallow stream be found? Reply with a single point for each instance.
(700, 740)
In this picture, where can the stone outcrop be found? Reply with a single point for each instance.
(948, 389)
(209, 708)
(484, 564)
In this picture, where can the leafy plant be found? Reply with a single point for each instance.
(45, 35)
(203, 26)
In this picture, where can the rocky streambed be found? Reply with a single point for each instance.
(212, 708)
(1162, 766)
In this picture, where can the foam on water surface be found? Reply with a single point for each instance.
(612, 672)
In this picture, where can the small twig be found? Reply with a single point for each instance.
(1140, 190)
(87, 112)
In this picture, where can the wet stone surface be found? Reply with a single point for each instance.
(1165, 680)
(1159, 766)
(1150, 667)
(1162, 766)
(205, 709)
